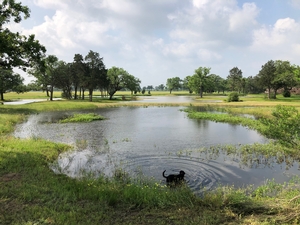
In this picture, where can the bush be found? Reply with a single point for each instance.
(286, 93)
(233, 97)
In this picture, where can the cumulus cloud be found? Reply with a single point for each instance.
(281, 38)
(172, 36)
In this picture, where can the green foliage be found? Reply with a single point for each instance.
(233, 97)
(284, 126)
(286, 93)
(234, 79)
(173, 83)
(76, 118)
(9, 81)
(199, 82)
(119, 78)
(17, 50)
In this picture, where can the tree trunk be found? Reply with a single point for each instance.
(201, 92)
(82, 94)
(51, 93)
(90, 95)
(2, 96)
(269, 91)
(75, 90)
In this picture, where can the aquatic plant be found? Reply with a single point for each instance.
(87, 117)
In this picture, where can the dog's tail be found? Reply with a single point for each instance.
(164, 174)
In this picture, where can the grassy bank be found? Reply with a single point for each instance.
(31, 193)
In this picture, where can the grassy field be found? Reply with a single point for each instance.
(31, 193)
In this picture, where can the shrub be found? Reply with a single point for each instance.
(286, 93)
(233, 97)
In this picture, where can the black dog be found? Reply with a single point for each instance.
(174, 178)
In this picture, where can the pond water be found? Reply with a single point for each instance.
(149, 140)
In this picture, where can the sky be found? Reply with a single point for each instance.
(154, 40)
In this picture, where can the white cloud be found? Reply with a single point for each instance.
(157, 39)
(284, 33)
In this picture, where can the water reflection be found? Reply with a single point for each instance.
(150, 140)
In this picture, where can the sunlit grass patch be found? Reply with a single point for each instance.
(8, 122)
(87, 117)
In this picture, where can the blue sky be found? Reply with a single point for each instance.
(159, 39)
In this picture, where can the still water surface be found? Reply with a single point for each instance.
(149, 140)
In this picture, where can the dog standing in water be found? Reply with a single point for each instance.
(174, 178)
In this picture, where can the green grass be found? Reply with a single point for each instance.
(31, 193)
(77, 118)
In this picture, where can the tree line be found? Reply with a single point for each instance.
(273, 76)
(83, 74)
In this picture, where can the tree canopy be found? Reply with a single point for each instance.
(199, 81)
(17, 50)
(173, 83)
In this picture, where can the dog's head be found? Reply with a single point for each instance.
(181, 172)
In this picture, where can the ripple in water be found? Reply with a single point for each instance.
(200, 175)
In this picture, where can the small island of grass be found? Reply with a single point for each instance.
(79, 118)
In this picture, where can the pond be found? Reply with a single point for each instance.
(149, 140)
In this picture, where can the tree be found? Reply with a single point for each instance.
(253, 86)
(78, 70)
(17, 50)
(132, 83)
(185, 84)
(116, 77)
(64, 79)
(198, 82)
(266, 76)
(285, 76)
(277, 74)
(9, 81)
(160, 87)
(234, 79)
(46, 74)
(149, 87)
(173, 83)
(95, 73)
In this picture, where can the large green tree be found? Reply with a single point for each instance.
(199, 81)
(234, 79)
(132, 83)
(64, 80)
(285, 76)
(17, 50)
(173, 83)
(46, 73)
(95, 73)
(77, 71)
(116, 77)
(266, 76)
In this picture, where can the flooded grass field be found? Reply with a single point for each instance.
(149, 140)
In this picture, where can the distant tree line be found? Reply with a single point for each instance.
(273, 76)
